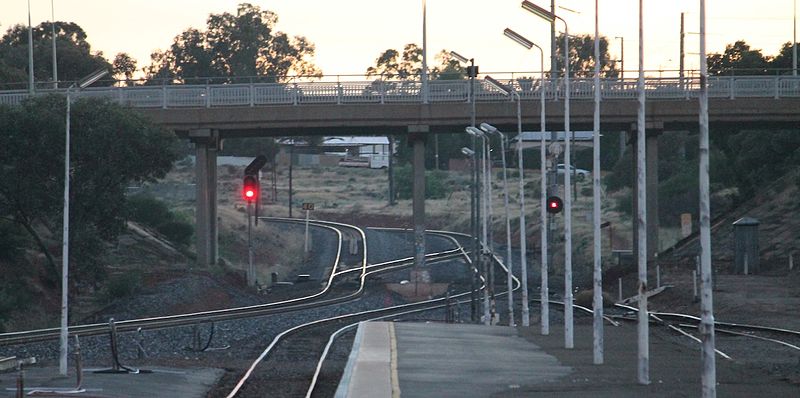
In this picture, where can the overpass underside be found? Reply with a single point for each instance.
(208, 127)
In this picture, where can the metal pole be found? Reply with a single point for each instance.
(621, 56)
(545, 290)
(424, 74)
(308, 216)
(490, 234)
(53, 31)
(553, 51)
(509, 261)
(291, 161)
(523, 228)
(31, 89)
(709, 377)
(568, 321)
(63, 342)
(251, 274)
(597, 302)
(391, 171)
(643, 327)
(683, 51)
(475, 199)
(794, 40)
(487, 215)
(436, 150)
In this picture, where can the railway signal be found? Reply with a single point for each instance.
(554, 205)
(250, 188)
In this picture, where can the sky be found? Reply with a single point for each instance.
(350, 34)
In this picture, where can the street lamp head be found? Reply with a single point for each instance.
(539, 11)
(500, 86)
(91, 78)
(518, 38)
(489, 128)
(474, 132)
(459, 57)
(467, 152)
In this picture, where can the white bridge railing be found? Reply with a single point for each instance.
(409, 91)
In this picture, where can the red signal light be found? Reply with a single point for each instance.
(250, 190)
(554, 204)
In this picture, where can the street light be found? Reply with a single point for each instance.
(523, 262)
(472, 72)
(80, 85)
(597, 276)
(545, 290)
(488, 128)
(487, 316)
(568, 322)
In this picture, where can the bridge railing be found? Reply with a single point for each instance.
(410, 91)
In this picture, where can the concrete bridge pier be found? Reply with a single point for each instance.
(652, 131)
(207, 143)
(416, 138)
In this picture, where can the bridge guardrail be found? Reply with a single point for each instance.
(410, 91)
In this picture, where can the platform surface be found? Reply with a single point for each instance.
(466, 360)
(162, 382)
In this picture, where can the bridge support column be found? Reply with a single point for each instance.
(416, 138)
(207, 143)
(653, 130)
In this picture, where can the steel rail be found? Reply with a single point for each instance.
(656, 317)
(295, 329)
(174, 320)
(338, 332)
(753, 336)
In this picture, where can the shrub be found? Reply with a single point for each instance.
(155, 214)
(122, 285)
(435, 186)
(12, 243)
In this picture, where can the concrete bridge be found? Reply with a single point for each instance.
(207, 114)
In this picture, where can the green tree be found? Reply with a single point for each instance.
(244, 44)
(738, 58)
(581, 57)
(112, 146)
(75, 58)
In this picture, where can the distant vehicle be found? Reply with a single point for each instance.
(580, 174)
(372, 161)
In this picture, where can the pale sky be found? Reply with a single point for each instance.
(350, 34)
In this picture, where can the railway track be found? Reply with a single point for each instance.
(292, 363)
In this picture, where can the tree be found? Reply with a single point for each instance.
(783, 61)
(392, 64)
(738, 58)
(112, 146)
(581, 57)
(75, 58)
(242, 45)
(124, 66)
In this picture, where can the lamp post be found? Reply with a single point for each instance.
(424, 74)
(709, 376)
(523, 249)
(31, 89)
(53, 32)
(485, 244)
(597, 276)
(488, 128)
(472, 73)
(621, 56)
(643, 329)
(473, 298)
(545, 290)
(63, 348)
(568, 313)
(794, 40)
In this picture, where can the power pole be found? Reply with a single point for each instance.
(683, 51)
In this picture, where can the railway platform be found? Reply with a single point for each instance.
(465, 360)
(155, 382)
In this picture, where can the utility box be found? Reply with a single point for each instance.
(745, 246)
